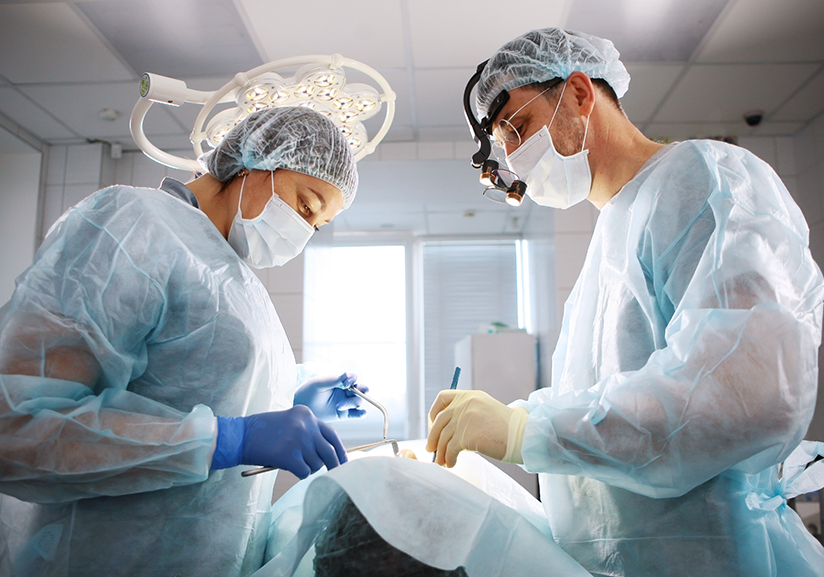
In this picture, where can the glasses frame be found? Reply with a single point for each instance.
(492, 130)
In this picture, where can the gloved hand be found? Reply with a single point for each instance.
(474, 421)
(294, 440)
(329, 399)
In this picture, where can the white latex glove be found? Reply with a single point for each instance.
(474, 421)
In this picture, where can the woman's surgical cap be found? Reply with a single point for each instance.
(294, 138)
(541, 55)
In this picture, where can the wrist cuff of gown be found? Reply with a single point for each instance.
(229, 446)
(517, 423)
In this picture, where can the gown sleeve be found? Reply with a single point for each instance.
(72, 338)
(734, 384)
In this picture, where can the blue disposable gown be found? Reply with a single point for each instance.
(686, 370)
(135, 325)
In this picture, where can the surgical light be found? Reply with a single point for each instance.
(320, 84)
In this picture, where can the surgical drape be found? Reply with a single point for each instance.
(135, 325)
(686, 370)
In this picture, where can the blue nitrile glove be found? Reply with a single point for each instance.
(294, 440)
(329, 399)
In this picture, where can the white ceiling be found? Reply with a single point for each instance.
(697, 65)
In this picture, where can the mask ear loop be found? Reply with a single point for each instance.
(240, 197)
(586, 126)
(557, 106)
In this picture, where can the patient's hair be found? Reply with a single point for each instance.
(350, 546)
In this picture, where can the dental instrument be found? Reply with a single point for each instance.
(385, 441)
(456, 375)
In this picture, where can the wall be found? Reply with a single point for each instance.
(19, 192)
(544, 318)
(808, 190)
(73, 173)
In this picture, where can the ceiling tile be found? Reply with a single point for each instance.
(648, 31)
(31, 117)
(399, 133)
(723, 93)
(458, 33)
(806, 104)
(778, 128)
(436, 150)
(767, 31)
(687, 130)
(417, 181)
(370, 31)
(176, 144)
(444, 223)
(11, 144)
(477, 203)
(57, 46)
(439, 96)
(175, 38)
(458, 133)
(405, 221)
(649, 85)
(399, 151)
(387, 206)
(79, 105)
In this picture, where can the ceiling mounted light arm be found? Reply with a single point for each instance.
(139, 111)
(320, 85)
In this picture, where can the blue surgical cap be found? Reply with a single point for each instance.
(541, 55)
(294, 138)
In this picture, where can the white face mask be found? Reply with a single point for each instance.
(274, 237)
(552, 179)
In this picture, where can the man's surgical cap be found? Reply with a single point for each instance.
(541, 55)
(294, 138)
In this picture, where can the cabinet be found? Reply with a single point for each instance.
(503, 365)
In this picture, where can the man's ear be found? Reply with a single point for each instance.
(582, 92)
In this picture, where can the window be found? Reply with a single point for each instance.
(466, 285)
(355, 320)
(357, 317)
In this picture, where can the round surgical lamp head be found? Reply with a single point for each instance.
(320, 84)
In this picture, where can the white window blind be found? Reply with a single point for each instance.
(466, 285)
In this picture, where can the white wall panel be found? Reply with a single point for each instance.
(19, 190)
